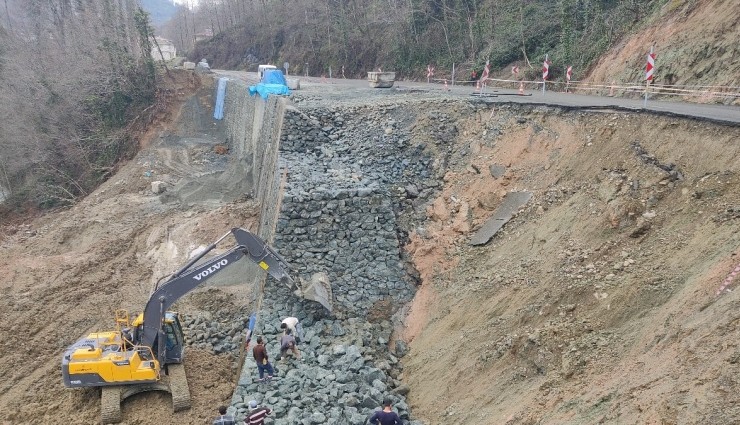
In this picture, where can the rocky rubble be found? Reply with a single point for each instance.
(345, 364)
(344, 373)
(353, 177)
(355, 185)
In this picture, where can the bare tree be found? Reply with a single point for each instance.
(75, 70)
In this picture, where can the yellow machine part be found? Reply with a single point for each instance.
(109, 362)
(140, 320)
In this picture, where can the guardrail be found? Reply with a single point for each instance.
(702, 92)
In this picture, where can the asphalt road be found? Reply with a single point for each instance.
(718, 113)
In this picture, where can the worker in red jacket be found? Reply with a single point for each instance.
(257, 414)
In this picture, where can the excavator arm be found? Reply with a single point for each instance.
(191, 276)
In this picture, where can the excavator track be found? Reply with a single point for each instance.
(178, 387)
(110, 405)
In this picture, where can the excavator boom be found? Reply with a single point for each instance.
(191, 276)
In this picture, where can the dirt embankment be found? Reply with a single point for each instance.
(596, 303)
(66, 273)
(696, 44)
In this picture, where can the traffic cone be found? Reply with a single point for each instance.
(521, 88)
(477, 85)
(446, 88)
(611, 89)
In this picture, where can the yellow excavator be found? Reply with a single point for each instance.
(147, 353)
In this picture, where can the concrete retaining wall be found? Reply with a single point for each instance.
(253, 128)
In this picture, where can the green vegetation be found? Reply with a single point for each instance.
(407, 35)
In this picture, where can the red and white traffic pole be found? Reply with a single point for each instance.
(649, 71)
(545, 72)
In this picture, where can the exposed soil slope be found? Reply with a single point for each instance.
(596, 304)
(696, 44)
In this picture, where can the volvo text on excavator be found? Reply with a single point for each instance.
(147, 353)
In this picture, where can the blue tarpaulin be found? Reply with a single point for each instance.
(218, 111)
(273, 82)
(273, 76)
(265, 90)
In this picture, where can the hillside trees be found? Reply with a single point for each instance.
(404, 35)
(72, 72)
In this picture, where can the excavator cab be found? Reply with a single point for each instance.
(174, 338)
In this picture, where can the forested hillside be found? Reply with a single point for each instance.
(72, 76)
(406, 35)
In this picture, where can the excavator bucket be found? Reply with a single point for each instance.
(317, 289)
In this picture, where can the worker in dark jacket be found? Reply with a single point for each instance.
(224, 419)
(263, 362)
(385, 416)
(287, 343)
(256, 414)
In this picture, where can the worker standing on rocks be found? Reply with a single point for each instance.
(287, 342)
(256, 414)
(224, 419)
(263, 361)
(294, 325)
(386, 416)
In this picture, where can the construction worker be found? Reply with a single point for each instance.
(128, 338)
(256, 414)
(287, 342)
(224, 419)
(294, 325)
(386, 416)
(263, 361)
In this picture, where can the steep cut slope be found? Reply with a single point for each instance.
(597, 303)
(696, 44)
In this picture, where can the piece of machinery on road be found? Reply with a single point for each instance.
(147, 353)
(381, 80)
(261, 69)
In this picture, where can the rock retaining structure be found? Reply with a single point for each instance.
(352, 185)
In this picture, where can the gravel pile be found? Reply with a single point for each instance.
(343, 375)
(346, 370)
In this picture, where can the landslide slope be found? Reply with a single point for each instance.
(597, 303)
